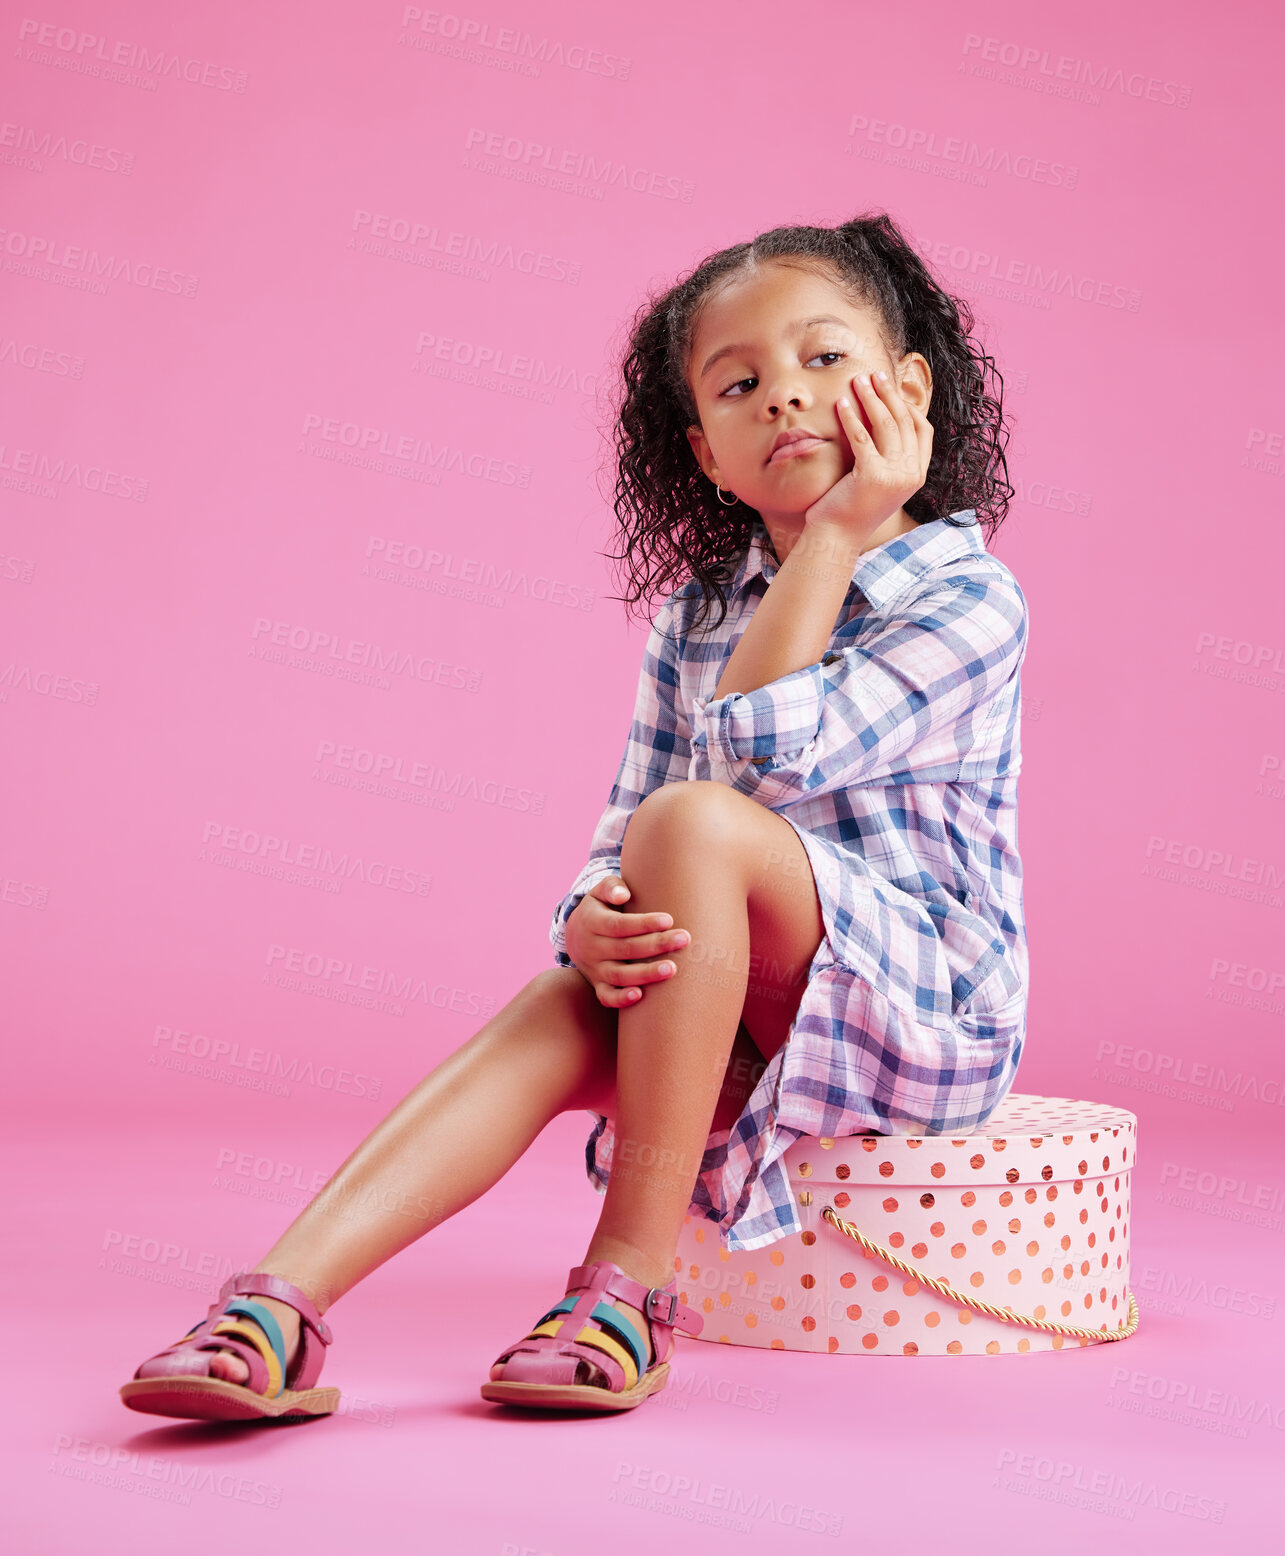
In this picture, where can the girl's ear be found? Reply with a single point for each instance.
(916, 380)
(700, 447)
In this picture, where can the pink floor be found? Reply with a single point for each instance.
(1171, 1440)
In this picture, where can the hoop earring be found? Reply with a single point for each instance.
(719, 490)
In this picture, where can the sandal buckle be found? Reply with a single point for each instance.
(655, 1296)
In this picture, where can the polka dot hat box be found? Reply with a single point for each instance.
(1028, 1215)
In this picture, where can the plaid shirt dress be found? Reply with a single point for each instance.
(895, 759)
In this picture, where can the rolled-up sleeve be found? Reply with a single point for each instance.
(657, 752)
(904, 701)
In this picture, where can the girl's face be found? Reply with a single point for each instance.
(773, 350)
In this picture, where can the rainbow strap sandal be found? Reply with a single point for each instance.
(177, 1381)
(540, 1370)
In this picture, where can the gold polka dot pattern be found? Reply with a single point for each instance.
(1030, 1212)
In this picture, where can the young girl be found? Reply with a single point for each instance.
(802, 911)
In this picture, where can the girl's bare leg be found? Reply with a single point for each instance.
(550, 1049)
(732, 870)
(735, 875)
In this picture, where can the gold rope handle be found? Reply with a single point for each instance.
(1005, 1314)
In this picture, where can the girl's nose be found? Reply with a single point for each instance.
(782, 396)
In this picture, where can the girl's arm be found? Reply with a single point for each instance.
(917, 693)
(657, 752)
(793, 623)
(785, 723)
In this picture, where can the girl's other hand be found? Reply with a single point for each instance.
(617, 951)
(890, 461)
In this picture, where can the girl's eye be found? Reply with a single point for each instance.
(727, 393)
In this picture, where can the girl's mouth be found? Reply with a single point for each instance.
(798, 447)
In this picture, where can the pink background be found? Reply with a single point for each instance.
(181, 495)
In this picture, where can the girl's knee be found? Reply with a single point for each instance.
(560, 1005)
(555, 1030)
(554, 983)
(562, 990)
(673, 820)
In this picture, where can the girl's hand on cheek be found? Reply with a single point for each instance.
(890, 462)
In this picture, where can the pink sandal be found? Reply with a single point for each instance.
(176, 1381)
(540, 1370)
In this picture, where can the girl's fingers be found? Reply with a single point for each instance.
(900, 410)
(923, 440)
(854, 427)
(624, 975)
(907, 456)
(916, 433)
(925, 446)
(884, 431)
(617, 999)
(621, 979)
(647, 947)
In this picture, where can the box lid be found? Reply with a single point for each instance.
(1028, 1139)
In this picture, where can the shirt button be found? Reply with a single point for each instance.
(830, 658)
(758, 760)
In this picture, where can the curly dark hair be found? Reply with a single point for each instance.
(671, 525)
